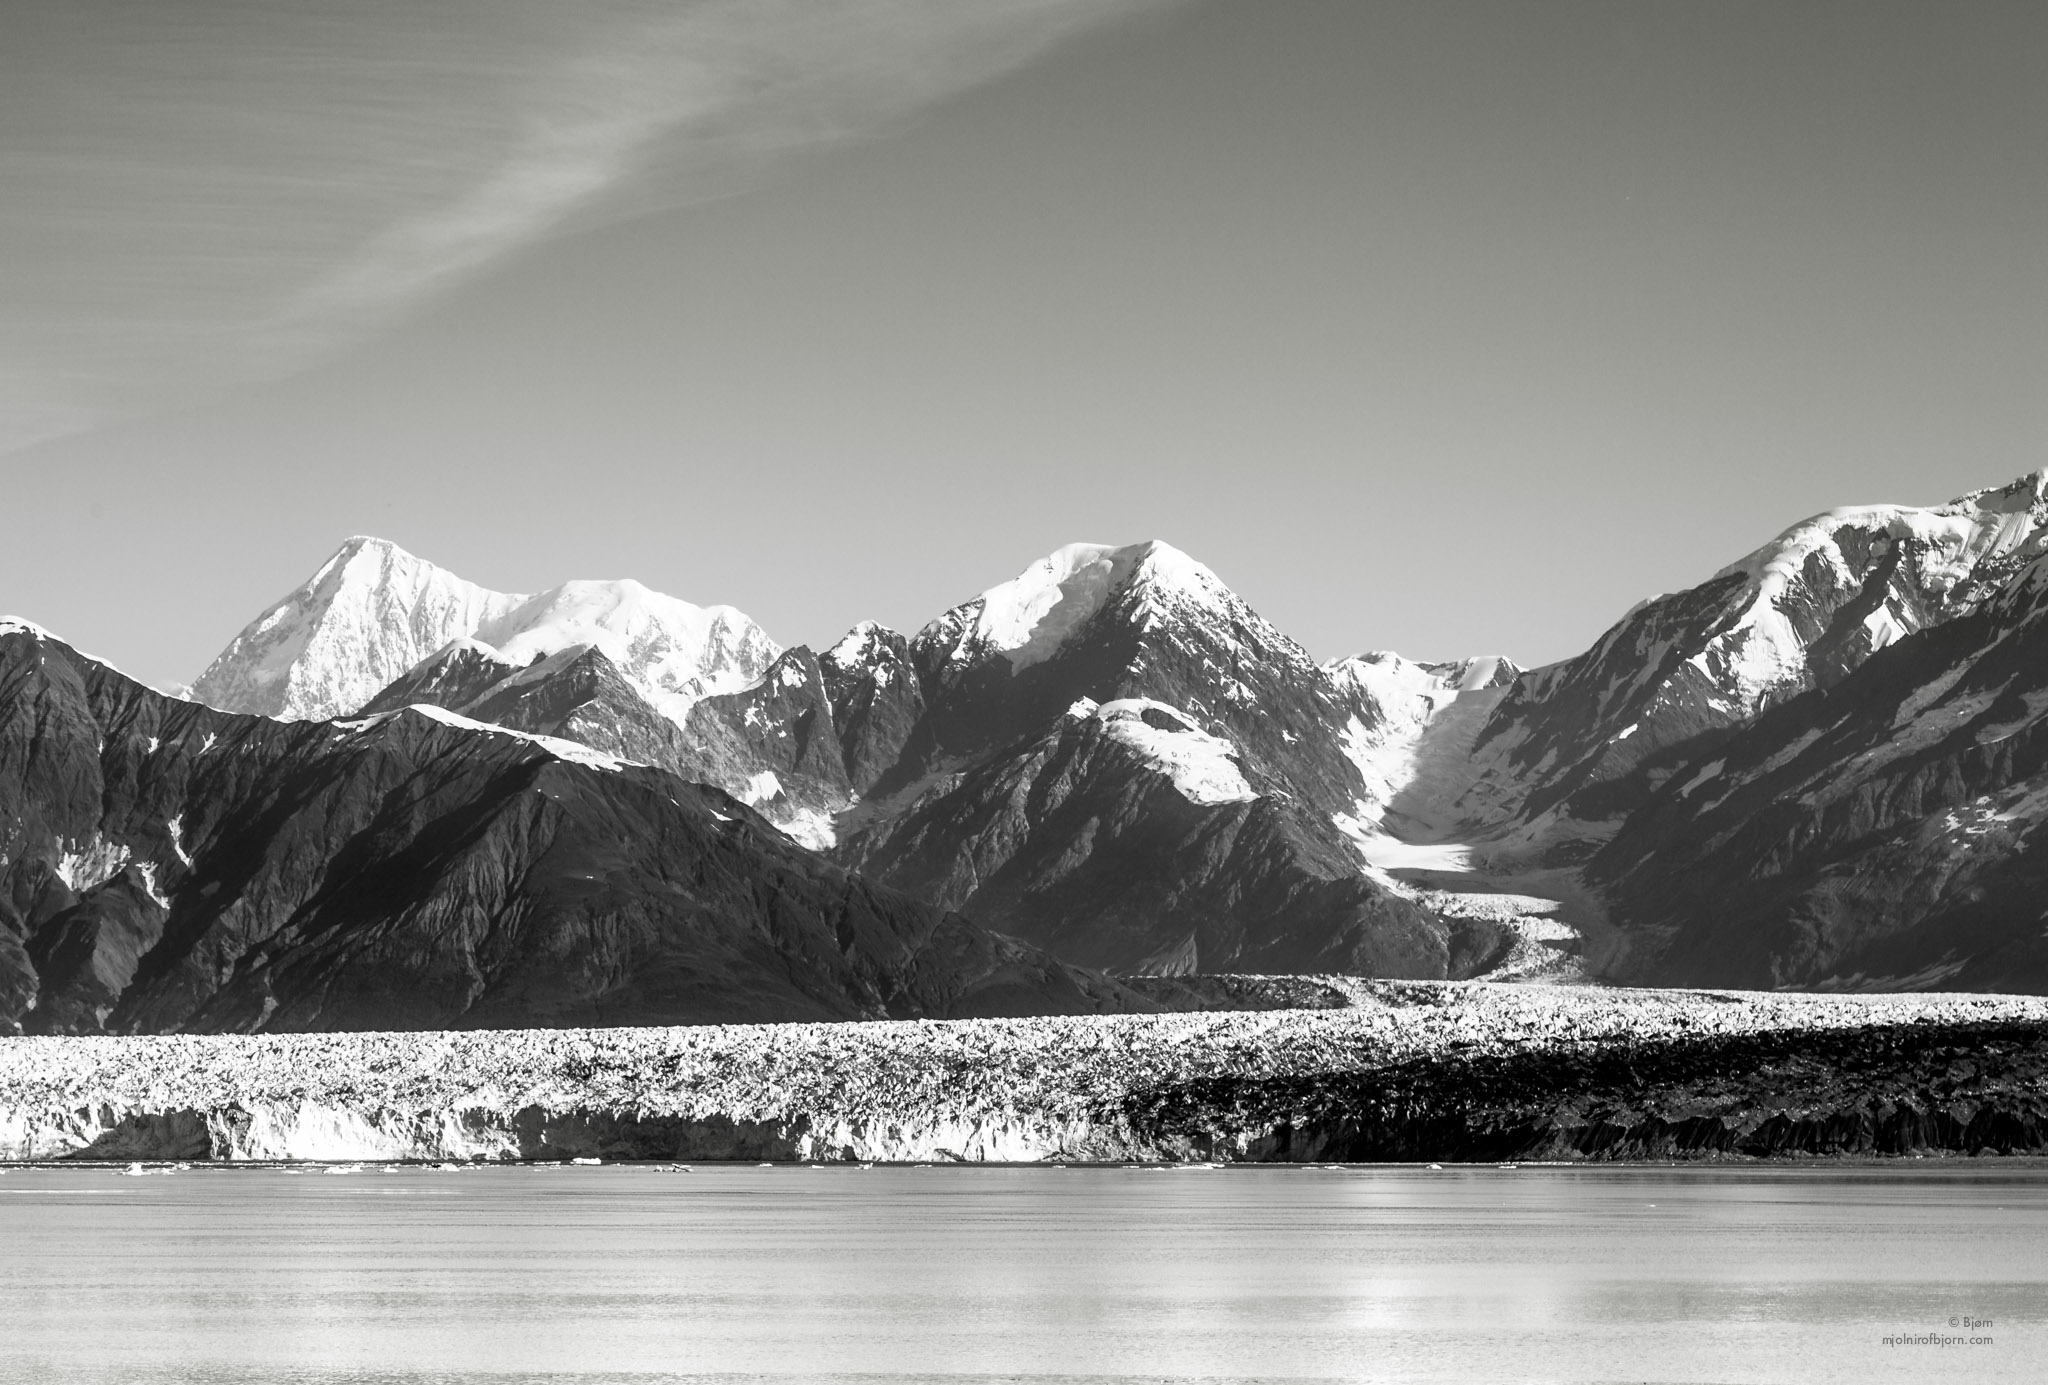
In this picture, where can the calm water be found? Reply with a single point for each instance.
(983, 1274)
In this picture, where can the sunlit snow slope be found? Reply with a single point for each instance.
(374, 611)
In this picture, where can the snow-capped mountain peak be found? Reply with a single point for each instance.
(860, 646)
(374, 611)
(676, 652)
(1943, 560)
(1204, 768)
(1027, 619)
(371, 612)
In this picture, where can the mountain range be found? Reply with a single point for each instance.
(398, 799)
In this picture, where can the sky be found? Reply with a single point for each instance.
(1448, 327)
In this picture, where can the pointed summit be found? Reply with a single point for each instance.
(371, 612)
(1028, 619)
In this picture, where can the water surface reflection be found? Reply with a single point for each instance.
(628, 1273)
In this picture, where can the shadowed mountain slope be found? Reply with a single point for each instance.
(169, 867)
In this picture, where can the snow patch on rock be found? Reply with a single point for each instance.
(811, 827)
(82, 866)
(573, 751)
(1204, 768)
(147, 870)
(176, 828)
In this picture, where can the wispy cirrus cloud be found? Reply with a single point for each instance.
(205, 193)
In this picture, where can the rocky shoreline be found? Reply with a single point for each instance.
(1404, 1071)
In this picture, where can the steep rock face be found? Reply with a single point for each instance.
(1123, 837)
(578, 694)
(1886, 831)
(876, 699)
(1059, 765)
(167, 867)
(772, 745)
(1145, 621)
(1589, 738)
(373, 612)
(776, 748)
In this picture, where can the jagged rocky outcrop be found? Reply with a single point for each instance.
(165, 866)
(771, 745)
(1412, 1071)
(876, 698)
(776, 746)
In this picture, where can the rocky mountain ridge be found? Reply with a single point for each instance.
(165, 866)
(1884, 832)
(1111, 756)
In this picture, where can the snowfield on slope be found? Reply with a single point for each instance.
(374, 611)
(1204, 768)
